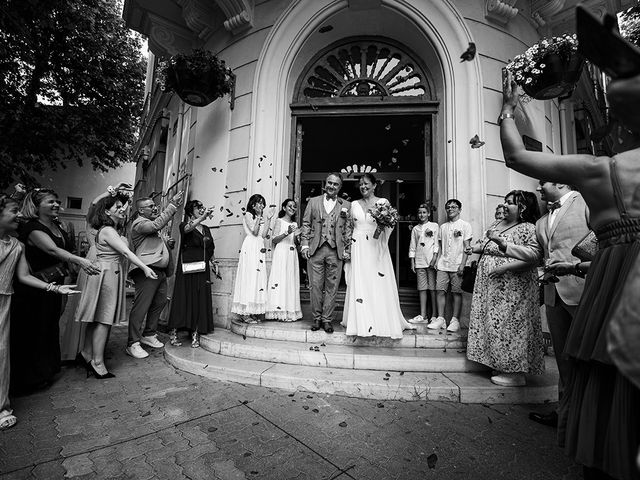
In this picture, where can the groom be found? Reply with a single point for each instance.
(326, 243)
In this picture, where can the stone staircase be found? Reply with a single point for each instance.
(423, 365)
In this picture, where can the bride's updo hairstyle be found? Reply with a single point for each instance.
(369, 176)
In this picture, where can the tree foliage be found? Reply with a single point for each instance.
(630, 25)
(71, 86)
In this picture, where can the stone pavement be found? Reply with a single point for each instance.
(153, 421)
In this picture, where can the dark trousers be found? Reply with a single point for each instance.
(149, 300)
(559, 318)
(325, 269)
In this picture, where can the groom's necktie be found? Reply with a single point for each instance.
(551, 206)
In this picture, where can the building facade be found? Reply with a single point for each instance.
(351, 86)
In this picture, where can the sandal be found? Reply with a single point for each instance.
(7, 421)
(173, 338)
(195, 340)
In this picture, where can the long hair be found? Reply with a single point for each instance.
(253, 200)
(5, 201)
(527, 202)
(99, 217)
(32, 201)
(282, 212)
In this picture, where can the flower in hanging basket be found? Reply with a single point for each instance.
(198, 78)
(549, 68)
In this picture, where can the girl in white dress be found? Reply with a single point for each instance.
(372, 306)
(283, 292)
(250, 291)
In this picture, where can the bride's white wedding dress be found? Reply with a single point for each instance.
(371, 306)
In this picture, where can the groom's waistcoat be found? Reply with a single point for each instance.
(328, 230)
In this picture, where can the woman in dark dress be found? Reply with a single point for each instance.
(35, 346)
(191, 301)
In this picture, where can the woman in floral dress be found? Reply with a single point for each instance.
(505, 331)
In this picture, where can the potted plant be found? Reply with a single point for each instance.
(198, 78)
(549, 68)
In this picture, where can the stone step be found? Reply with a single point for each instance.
(300, 331)
(230, 344)
(471, 387)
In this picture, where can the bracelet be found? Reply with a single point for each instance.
(50, 286)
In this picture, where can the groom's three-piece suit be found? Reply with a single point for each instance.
(327, 235)
(554, 243)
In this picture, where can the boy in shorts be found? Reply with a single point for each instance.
(454, 237)
(423, 252)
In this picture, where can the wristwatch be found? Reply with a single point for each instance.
(505, 115)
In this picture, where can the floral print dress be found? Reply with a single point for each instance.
(505, 331)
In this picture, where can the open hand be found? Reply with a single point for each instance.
(497, 272)
(177, 198)
(149, 273)
(510, 94)
(68, 289)
(90, 268)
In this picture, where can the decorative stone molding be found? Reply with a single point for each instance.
(543, 10)
(198, 15)
(166, 37)
(239, 14)
(501, 11)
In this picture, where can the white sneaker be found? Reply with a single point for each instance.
(454, 325)
(509, 380)
(136, 351)
(417, 319)
(437, 324)
(151, 341)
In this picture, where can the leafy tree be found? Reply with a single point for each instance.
(71, 86)
(630, 24)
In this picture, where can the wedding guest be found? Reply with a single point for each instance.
(103, 303)
(249, 293)
(35, 313)
(499, 214)
(72, 333)
(12, 259)
(505, 330)
(565, 223)
(599, 413)
(454, 237)
(423, 254)
(191, 307)
(150, 295)
(283, 288)
(371, 305)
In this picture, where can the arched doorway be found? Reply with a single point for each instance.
(367, 104)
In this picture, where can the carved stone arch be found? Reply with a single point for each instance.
(364, 67)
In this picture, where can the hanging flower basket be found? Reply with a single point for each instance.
(198, 78)
(548, 69)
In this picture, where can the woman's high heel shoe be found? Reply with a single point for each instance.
(195, 340)
(81, 362)
(91, 370)
(173, 337)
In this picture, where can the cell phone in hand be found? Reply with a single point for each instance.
(601, 44)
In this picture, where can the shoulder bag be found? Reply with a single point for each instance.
(197, 267)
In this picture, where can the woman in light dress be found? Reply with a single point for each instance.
(250, 290)
(372, 306)
(283, 292)
(102, 303)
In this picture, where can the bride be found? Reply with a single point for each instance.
(371, 306)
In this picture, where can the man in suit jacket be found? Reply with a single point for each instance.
(557, 232)
(150, 294)
(326, 243)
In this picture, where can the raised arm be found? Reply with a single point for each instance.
(570, 169)
(22, 272)
(111, 237)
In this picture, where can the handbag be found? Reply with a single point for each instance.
(469, 277)
(196, 267)
(586, 248)
(54, 273)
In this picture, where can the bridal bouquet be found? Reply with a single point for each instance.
(384, 215)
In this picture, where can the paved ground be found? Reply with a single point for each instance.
(152, 421)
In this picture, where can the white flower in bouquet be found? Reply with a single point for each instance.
(384, 215)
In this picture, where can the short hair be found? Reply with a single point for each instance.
(425, 206)
(253, 200)
(190, 206)
(6, 200)
(335, 174)
(32, 201)
(455, 201)
(282, 212)
(527, 202)
(99, 217)
(142, 199)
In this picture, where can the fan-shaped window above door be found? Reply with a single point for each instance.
(358, 68)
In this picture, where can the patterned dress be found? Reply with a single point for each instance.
(505, 331)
